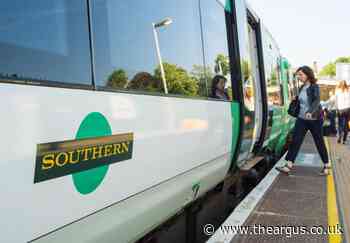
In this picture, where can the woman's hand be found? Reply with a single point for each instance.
(308, 115)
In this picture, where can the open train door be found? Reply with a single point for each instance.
(253, 103)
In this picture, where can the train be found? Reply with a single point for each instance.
(109, 129)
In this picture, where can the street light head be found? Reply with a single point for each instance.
(164, 22)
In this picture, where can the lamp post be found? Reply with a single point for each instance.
(163, 23)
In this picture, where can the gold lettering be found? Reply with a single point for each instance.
(60, 162)
(48, 162)
(97, 153)
(125, 146)
(108, 150)
(71, 161)
(80, 152)
(86, 156)
(116, 149)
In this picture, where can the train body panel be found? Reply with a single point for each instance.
(134, 217)
(167, 143)
(95, 161)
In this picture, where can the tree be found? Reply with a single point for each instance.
(330, 68)
(204, 76)
(118, 79)
(178, 80)
(222, 64)
(343, 60)
(145, 81)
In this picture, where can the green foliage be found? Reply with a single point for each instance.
(200, 72)
(178, 80)
(146, 82)
(246, 70)
(343, 60)
(330, 68)
(204, 76)
(222, 65)
(117, 79)
(273, 80)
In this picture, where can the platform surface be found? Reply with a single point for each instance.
(340, 155)
(296, 201)
(301, 207)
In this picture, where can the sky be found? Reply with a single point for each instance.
(307, 30)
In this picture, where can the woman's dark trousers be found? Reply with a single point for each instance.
(300, 129)
(343, 127)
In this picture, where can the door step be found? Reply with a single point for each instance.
(248, 165)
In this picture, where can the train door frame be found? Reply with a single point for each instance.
(234, 23)
(258, 84)
(255, 23)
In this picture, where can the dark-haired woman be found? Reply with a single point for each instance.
(218, 88)
(309, 119)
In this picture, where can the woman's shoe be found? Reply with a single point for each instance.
(285, 169)
(324, 172)
(326, 169)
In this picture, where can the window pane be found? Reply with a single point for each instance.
(272, 70)
(125, 45)
(215, 47)
(45, 40)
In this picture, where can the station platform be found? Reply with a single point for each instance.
(301, 207)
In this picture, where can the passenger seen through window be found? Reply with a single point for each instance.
(218, 90)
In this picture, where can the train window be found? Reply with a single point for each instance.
(215, 47)
(291, 88)
(45, 40)
(272, 70)
(135, 40)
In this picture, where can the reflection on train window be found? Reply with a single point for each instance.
(248, 94)
(249, 83)
(248, 74)
(296, 84)
(273, 83)
(131, 37)
(215, 47)
(45, 40)
(272, 70)
(291, 85)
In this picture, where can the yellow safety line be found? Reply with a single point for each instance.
(333, 218)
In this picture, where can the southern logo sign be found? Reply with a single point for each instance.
(87, 157)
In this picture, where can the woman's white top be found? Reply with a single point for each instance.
(342, 99)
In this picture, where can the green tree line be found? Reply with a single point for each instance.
(179, 81)
(330, 68)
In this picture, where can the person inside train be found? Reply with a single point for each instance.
(309, 119)
(342, 105)
(218, 90)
